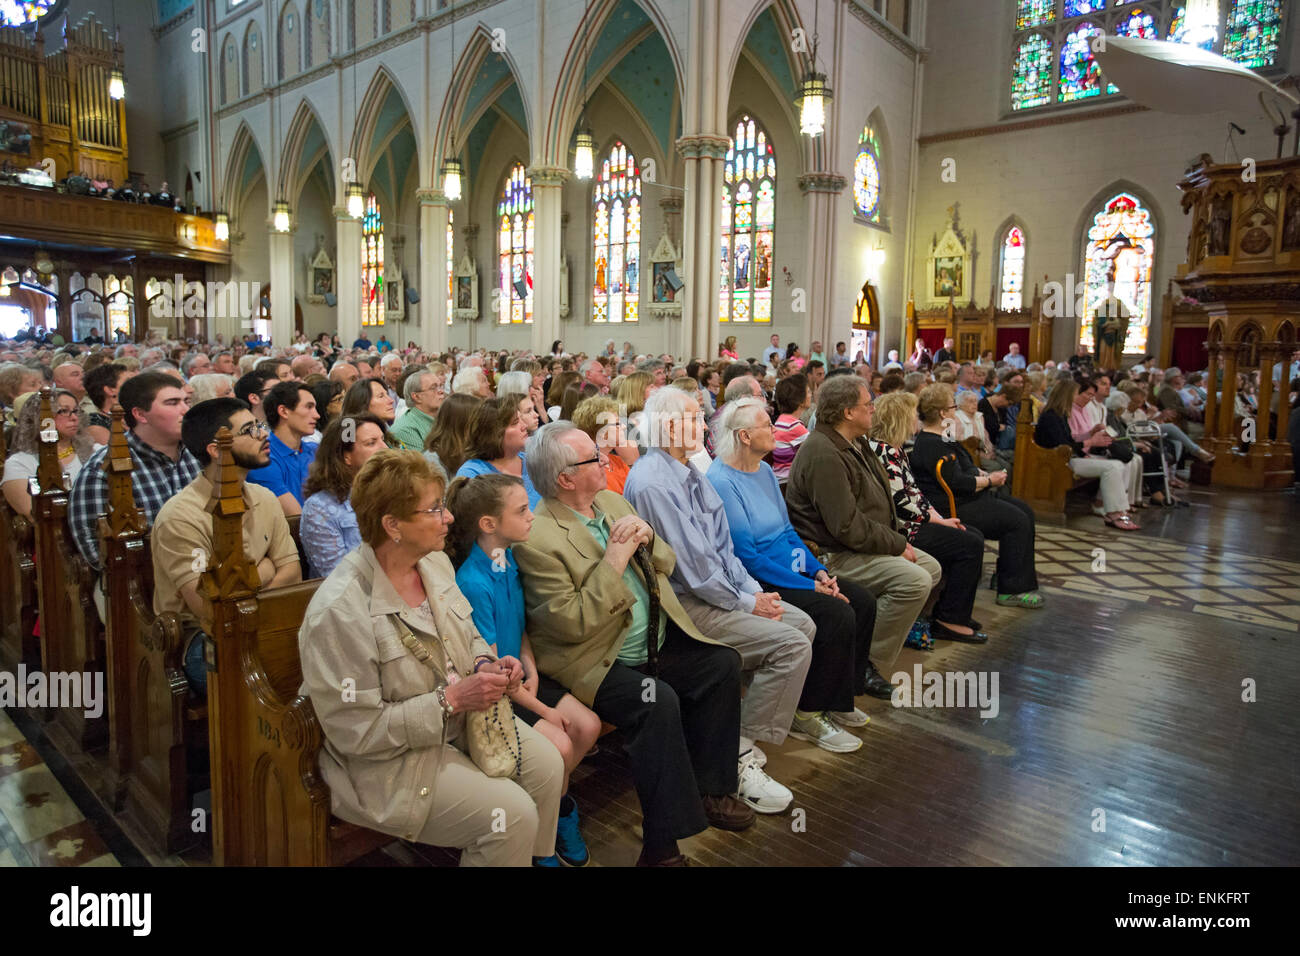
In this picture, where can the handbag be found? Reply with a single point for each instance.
(488, 731)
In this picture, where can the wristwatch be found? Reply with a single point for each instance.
(447, 709)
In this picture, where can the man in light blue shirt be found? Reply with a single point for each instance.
(773, 349)
(1013, 357)
(718, 594)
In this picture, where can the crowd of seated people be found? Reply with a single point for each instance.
(618, 538)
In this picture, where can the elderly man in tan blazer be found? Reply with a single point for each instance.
(625, 647)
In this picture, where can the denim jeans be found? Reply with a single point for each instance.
(196, 665)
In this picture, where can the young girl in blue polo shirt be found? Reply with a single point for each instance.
(491, 514)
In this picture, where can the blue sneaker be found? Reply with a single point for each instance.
(548, 861)
(569, 845)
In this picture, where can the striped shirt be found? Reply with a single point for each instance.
(789, 433)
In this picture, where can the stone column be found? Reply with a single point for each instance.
(548, 250)
(433, 269)
(347, 273)
(821, 191)
(701, 241)
(282, 310)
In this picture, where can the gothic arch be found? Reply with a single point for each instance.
(292, 150)
(1103, 195)
(289, 46)
(372, 103)
(233, 190)
(466, 66)
(1012, 221)
(812, 151)
(254, 59)
(566, 105)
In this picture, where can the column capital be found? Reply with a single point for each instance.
(431, 197)
(671, 203)
(822, 181)
(549, 175)
(470, 231)
(341, 214)
(703, 146)
(276, 233)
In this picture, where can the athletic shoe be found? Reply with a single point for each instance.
(547, 861)
(821, 730)
(569, 845)
(760, 758)
(852, 718)
(759, 790)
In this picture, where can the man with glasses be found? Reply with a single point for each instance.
(625, 647)
(840, 502)
(182, 543)
(424, 393)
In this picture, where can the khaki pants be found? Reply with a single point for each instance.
(901, 588)
(497, 821)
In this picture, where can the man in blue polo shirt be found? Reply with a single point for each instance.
(291, 412)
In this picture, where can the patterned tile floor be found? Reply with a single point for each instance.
(40, 825)
(1104, 565)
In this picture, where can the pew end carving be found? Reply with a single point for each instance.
(1041, 477)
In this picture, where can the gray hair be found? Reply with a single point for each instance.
(546, 455)
(742, 386)
(651, 365)
(468, 381)
(389, 358)
(207, 385)
(414, 383)
(735, 416)
(663, 406)
(588, 365)
(514, 383)
(1117, 402)
(837, 395)
(187, 363)
(913, 381)
(1172, 371)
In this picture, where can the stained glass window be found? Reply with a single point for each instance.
(1077, 8)
(748, 226)
(1033, 13)
(1178, 30)
(1137, 23)
(1252, 32)
(616, 239)
(1031, 79)
(515, 248)
(1013, 270)
(451, 260)
(1119, 254)
(14, 13)
(866, 176)
(1080, 72)
(372, 264)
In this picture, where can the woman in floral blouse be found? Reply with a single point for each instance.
(957, 548)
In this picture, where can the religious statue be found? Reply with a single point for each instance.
(1110, 328)
(1291, 228)
(1220, 223)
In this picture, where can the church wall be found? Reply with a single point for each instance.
(314, 214)
(251, 254)
(1049, 175)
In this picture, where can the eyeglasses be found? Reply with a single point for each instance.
(71, 412)
(437, 510)
(254, 429)
(599, 459)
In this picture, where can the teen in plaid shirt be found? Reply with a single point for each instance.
(155, 406)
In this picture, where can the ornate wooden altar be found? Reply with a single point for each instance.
(975, 330)
(1243, 267)
(57, 105)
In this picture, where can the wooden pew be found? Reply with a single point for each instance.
(1041, 477)
(158, 729)
(18, 601)
(269, 805)
(72, 637)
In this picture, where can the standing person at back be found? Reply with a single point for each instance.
(291, 414)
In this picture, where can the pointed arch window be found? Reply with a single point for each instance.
(1012, 284)
(16, 13)
(372, 264)
(748, 226)
(515, 248)
(1251, 35)
(867, 176)
(616, 239)
(1120, 251)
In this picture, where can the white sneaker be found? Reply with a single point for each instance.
(821, 730)
(758, 756)
(760, 791)
(852, 718)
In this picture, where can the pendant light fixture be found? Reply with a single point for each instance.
(584, 144)
(356, 200)
(452, 170)
(814, 95)
(116, 79)
(223, 227)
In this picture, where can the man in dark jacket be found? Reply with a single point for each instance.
(839, 502)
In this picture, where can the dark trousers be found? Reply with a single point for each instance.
(1010, 522)
(840, 649)
(680, 731)
(961, 555)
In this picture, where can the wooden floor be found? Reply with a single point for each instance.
(1121, 703)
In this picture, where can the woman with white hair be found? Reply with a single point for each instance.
(773, 553)
(211, 385)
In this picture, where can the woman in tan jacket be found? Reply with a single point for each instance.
(392, 663)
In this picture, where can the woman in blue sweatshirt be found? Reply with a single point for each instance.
(777, 558)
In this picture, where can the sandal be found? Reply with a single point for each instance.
(1123, 522)
(1030, 600)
